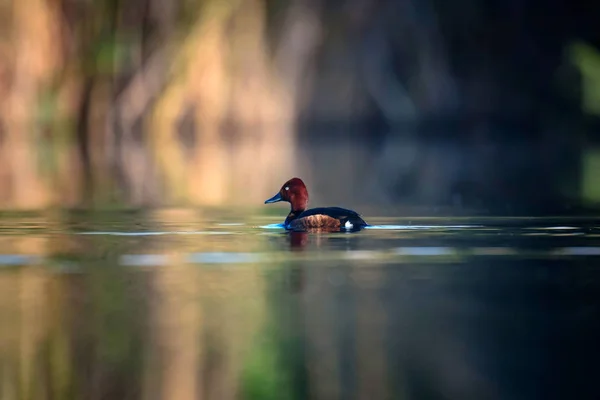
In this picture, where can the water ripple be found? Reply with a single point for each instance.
(150, 233)
(409, 227)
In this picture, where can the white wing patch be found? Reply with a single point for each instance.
(348, 225)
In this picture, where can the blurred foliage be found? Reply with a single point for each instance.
(150, 103)
(591, 177)
(98, 121)
(587, 60)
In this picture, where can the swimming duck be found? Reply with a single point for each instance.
(332, 219)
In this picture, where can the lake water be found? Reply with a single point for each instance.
(208, 304)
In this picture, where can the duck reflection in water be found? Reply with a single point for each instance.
(298, 240)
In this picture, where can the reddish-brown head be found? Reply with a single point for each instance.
(294, 192)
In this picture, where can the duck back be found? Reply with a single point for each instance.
(328, 218)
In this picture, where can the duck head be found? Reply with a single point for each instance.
(294, 192)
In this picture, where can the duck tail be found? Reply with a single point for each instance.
(358, 222)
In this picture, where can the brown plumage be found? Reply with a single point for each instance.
(320, 221)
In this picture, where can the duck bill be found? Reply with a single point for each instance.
(274, 199)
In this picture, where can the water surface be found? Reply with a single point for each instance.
(184, 304)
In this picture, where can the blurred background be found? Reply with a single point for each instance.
(139, 139)
(486, 105)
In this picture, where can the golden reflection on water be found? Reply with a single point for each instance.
(171, 332)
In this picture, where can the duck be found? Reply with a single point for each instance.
(329, 219)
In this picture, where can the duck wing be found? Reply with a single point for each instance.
(342, 214)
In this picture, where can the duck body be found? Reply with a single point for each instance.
(327, 219)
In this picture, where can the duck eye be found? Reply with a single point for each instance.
(287, 188)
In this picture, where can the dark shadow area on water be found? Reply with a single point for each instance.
(483, 328)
